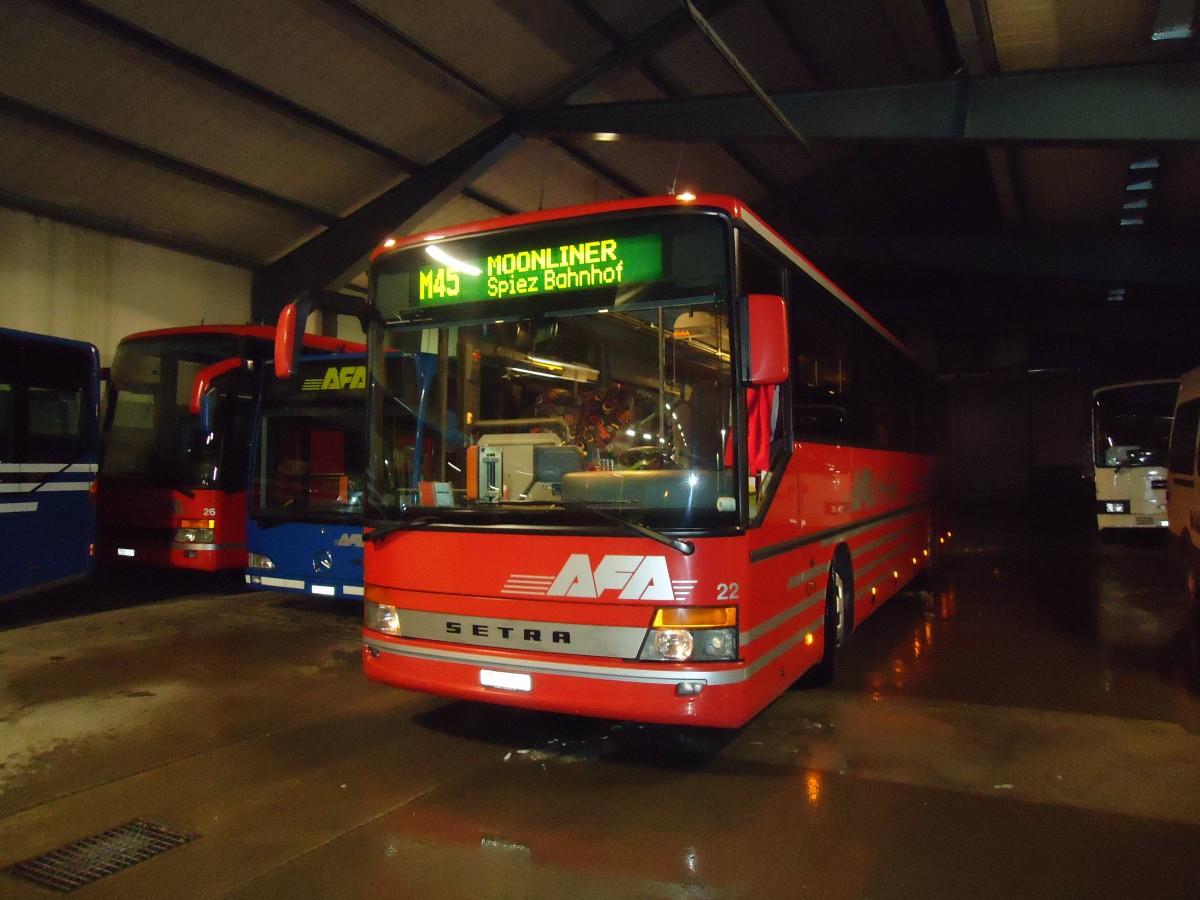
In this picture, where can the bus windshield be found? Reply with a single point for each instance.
(1132, 424)
(311, 458)
(557, 373)
(151, 436)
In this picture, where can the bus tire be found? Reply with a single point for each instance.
(1190, 558)
(839, 613)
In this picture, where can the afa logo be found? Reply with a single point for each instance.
(338, 378)
(630, 577)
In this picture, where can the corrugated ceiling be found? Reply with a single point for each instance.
(241, 131)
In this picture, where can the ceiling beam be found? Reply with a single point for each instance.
(184, 60)
(1144, 102)
(12, 108)
(1166, 259)
(342, 250)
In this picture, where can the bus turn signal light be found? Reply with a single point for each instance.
(695, 617)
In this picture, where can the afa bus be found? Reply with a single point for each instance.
(180, 411)
(49, 454)
(663, 465)
(308, 476)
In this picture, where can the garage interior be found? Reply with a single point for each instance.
(1012, 187)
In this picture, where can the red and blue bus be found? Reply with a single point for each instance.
(305, 531)
(663, 467)
(180, 412)
(49, 454)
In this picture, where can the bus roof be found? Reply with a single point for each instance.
(263, 332)
(731, 205)
(35, 336)
(1134, 384)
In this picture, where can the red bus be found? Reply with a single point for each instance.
(663, 465)
(180, 407)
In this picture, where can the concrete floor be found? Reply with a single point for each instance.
(1027, 727)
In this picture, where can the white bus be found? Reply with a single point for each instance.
(1131, 427)
(1183, 505)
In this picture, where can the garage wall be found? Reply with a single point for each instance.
(70, 282)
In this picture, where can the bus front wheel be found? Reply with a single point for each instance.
(839, 616)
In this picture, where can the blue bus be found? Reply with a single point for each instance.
(49, 456)
(309, 463)
(304, 531)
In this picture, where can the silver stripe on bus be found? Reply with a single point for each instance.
(18, 508)
(45, 487)
(572, 670)
(831, 537)
(787, 615)
(775, 652)
(352, 590)
(615, 641)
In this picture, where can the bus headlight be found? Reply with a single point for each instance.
(258, 561)
(1114, 506)
(195, 531)
(674, 643)
(684, 634)
(380, 617)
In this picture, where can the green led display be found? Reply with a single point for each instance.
(607, 262)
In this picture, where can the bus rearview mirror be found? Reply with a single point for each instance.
(768, 339)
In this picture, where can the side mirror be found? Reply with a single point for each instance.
(768, 327)
(204, 379)
(289, 330)
(289, 334)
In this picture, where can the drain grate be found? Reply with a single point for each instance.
(99, 856)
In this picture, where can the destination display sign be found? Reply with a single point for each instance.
(526, 272)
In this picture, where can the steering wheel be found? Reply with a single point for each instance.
(650, 456)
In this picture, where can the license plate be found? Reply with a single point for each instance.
(507, 681)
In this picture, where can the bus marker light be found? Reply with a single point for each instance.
(808, 639)
(506, 681)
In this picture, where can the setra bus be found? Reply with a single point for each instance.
(663, 465)
(305, 531)
(1131, 427)
(177, 426)
(49, 454)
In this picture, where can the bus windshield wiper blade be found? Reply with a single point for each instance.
(379, 532)
(687, 548)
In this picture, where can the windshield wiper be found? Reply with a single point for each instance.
(687, 548)
(382, 531)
